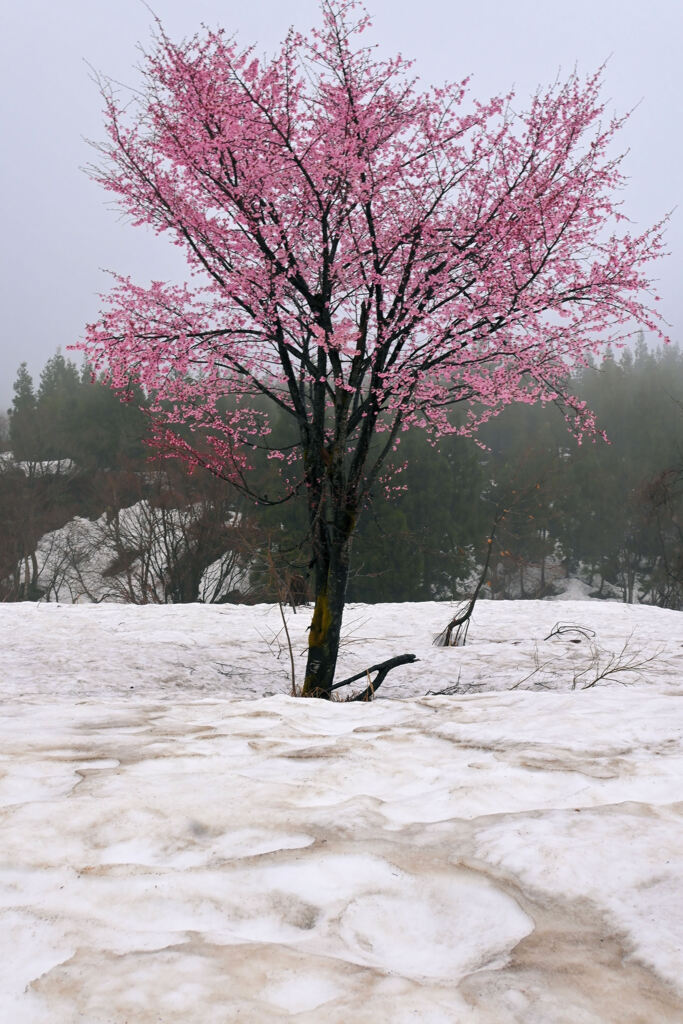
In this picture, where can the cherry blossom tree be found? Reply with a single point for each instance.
(365, 254)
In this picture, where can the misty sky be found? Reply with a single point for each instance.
(60, 230)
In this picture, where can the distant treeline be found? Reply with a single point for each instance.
(609, 513)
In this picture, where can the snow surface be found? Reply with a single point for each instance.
(178, 847)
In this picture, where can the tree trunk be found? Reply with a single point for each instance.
(325, 629)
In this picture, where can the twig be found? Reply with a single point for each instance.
(460, 623)
(560, 628)
(289, 646)
(449, 691)
(625, 661)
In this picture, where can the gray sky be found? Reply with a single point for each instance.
(59, 229)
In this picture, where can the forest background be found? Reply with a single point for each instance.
(609, 513)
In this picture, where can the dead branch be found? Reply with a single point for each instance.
(382, 670)
(562, 628)
(607, 664)
(455, 633)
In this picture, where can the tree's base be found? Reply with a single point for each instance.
(317, 693)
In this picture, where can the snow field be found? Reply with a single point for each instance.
(179, 848)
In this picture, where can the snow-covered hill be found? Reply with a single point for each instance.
(178, 847)
(131, 555)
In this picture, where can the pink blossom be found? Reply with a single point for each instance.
(364, 253)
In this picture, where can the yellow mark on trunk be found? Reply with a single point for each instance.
(322, 619)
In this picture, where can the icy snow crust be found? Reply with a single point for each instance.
(176, 847)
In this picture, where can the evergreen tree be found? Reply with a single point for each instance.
(23, 422)
(56, 406)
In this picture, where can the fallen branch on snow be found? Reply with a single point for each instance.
(382, 670)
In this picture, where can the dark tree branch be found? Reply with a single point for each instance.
(382, 670)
